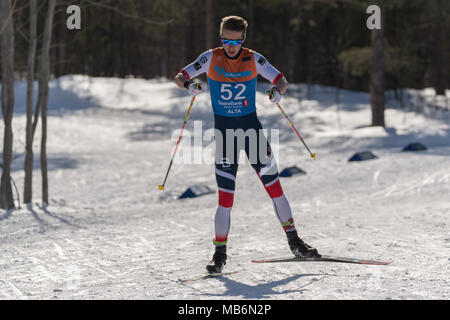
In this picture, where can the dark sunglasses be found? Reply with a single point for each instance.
(231, 42)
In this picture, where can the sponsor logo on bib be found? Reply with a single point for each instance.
(222, 72)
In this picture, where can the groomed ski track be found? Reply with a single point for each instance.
(109, 233)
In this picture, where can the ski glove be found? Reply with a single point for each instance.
(274, 95)
(194, 88)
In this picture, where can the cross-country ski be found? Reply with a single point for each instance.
(323, 258)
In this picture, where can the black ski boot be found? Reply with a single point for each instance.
(299, 248)
(218, 261)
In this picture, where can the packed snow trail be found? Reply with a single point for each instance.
(109, 233)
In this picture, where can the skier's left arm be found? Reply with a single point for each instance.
(269, 72)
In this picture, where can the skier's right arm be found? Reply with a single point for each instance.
(184, 78)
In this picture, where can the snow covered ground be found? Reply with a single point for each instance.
(109, 233)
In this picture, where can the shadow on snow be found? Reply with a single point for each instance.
(260, 291)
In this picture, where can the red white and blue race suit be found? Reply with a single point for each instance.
(232, 83)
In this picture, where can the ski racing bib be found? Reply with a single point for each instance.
(232, 81)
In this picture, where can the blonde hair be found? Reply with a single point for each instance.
(234, 23)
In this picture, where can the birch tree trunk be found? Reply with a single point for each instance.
(7, 100)
(28, 166)
(377, 75)
(44, 77)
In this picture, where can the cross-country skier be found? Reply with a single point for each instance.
(232, 72)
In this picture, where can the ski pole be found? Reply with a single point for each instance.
(161, 186)
(312, 155)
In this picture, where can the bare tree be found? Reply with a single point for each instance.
(439, 43)
(7, 98)
(251, 21)
(44, 76)
(210, 24)
(377, 78)
(28, 188)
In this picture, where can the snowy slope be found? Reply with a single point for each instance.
(109, 233)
